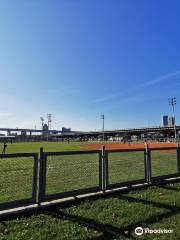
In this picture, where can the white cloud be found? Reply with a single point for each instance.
(6, 114)
(141, 86)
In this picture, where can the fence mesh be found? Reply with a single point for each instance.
(125, 166)
(163, 162)
(71, 172)
(16, 177)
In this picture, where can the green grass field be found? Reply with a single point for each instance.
(35, 146)
(66, 173)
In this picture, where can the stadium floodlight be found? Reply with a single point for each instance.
(172, 102)
(49, 117)
(42, 122)
(102, 117)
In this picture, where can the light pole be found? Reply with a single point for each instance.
(172, 102)
(49, 117)
(42, 122)
(102, 117)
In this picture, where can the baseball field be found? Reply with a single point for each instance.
(71, 172)
(112, 217)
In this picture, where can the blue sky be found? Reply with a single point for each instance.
(78, 59)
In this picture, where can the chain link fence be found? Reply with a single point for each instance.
(71, 173)
(18, 178)
(125, 167)
(164, 162)
(68, 173)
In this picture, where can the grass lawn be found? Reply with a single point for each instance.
(71, 172)
(111, 217)
(48, 146)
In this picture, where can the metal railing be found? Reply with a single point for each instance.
(165, 168)
(18, 179)
(71, 173)
(125, 167)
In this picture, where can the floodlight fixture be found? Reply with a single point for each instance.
(102, 117)
(172, 102)
(49, 117)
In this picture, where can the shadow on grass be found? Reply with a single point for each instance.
(170, 188)
(109, 231)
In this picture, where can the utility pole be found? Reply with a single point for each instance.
(172, 102)
(102, 117)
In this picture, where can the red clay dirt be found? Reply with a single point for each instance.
(131, 145)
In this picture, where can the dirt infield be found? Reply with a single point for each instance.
(131, 145)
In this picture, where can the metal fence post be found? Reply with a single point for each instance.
(178, 158)
(148, 163)
(104, 169)
(35, 178)
(42, 175)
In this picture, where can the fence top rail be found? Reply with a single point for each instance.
(71, 152)
(15, 155)
(172, 175)
(126, 150)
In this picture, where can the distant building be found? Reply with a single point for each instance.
(171, 121)
(45, 127)
(165, 121)
(23, 133)
(66, 129)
